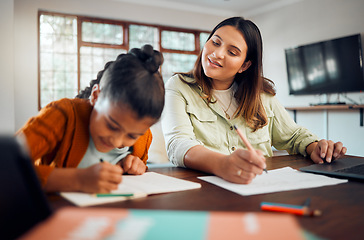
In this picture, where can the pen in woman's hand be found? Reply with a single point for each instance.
(246, 142)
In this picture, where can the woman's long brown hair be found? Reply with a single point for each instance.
(251, 82)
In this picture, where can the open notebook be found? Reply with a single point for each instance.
(136, 185)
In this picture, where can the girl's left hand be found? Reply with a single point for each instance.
(326, 149)
(132, 165)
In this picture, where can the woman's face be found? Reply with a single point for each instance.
(223, 56)
(115, 125)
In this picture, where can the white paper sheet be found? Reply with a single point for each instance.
(282, 179)
(139, 185)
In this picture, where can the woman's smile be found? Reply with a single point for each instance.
(214, 63)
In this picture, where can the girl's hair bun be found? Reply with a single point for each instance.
(151, 58)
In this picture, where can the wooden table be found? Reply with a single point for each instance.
(342, 205)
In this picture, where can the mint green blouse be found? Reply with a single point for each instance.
(187, 121)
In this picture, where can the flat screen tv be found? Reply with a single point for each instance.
(333, 66)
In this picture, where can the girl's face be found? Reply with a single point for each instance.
(223, 56)
(115, 125)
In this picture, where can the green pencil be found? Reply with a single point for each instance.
(114, 194)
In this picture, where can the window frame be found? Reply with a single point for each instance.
(125, 44)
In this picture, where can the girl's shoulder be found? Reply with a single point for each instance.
(69, 105)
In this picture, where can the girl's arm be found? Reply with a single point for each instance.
(98, 178)
(132, 165)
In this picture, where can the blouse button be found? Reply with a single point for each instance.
(233, 148)
(231, 128)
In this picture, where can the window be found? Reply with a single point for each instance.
(203, 38)
(73, 49)
(140, 35)
(58, 58)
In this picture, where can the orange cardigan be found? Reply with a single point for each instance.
(59, 135)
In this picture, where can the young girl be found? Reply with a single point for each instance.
(225, 89)
(75, 143)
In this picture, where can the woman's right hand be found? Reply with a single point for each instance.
(242, 166)
(100, 178)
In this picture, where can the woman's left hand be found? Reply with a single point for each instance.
(132, 165)
(325, 150)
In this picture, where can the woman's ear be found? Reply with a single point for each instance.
(94, 94)
(245, 66)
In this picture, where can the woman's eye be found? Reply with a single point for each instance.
(232, 53)
(215, 43)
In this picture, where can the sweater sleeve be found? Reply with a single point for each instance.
(286, 134)
(43, 135)
(141, 146)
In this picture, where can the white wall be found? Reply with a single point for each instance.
(306, 22)
(25, 36)
(300, 23)
(7, 119)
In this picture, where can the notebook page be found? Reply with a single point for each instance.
(140, 185)
(283, 179)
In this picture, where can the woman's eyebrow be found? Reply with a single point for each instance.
(218, 36)
(233, 46)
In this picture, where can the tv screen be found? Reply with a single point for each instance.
(333, 66)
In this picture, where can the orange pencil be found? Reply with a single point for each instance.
(287, 208)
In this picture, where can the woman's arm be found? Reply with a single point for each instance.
(239, 167)
(176, 124)
(325, 149)
(185, 149)
(296, 139)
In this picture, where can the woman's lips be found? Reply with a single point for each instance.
(214, 63)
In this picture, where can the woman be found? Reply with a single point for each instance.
(226, 88)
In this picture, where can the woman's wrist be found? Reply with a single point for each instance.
(311, 147)
(203, 159)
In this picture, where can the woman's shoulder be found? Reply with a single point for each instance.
(268, 100)
(267, 97)
(180, 80)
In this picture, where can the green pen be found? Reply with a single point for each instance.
(114, 194)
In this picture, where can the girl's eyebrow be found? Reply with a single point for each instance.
(120, 127)
(230, 45)
(114, 121)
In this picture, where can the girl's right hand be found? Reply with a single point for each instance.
(100, 178)
(242, 166)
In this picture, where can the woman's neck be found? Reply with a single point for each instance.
(221, 85)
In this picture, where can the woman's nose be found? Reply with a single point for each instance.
(218, 53)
